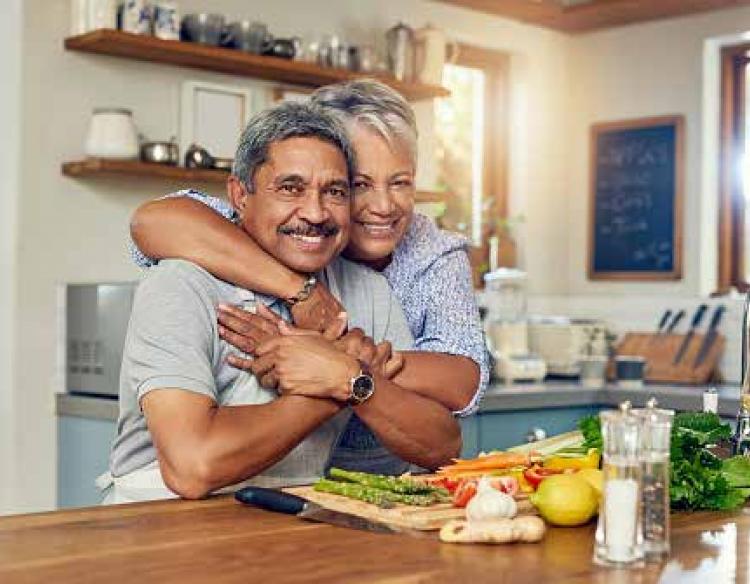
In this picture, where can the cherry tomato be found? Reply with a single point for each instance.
(536, 474)
(448, 484)
(465, 491)
(506, 484)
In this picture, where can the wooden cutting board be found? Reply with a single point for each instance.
(404, 516)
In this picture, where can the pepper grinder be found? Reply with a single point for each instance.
(655, 438)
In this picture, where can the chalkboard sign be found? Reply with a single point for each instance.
(635, 228)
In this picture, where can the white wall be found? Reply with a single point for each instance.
(74, 230)
(10, 116)
(637, 71)
(659, 68)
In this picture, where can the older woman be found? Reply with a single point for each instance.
(427, 268)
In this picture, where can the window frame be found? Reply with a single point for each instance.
(731, 231)
(496, 67)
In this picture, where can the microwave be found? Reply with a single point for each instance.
(96, 322)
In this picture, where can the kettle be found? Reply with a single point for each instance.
(431, 48)
(400, 50)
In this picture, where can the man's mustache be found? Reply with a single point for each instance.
(327, 229)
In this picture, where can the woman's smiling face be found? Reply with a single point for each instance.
(382, 196)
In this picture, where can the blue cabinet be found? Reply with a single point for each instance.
(83, 446)
(487, 431)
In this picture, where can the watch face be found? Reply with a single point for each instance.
(362, 387)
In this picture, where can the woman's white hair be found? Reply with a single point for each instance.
(375, 105)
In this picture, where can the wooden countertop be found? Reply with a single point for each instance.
(219, 540)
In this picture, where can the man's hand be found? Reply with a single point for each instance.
(246, 331)
(319, 311)
(305, 363)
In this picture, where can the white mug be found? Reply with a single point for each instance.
(136, 16)
(166, 20)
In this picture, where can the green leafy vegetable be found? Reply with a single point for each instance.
(698, 478)
(591, 429)
(737, 471)
(694, 486)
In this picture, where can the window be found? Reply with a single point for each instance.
(471, 135)
(734, 222)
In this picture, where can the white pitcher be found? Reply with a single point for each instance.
(432, 45)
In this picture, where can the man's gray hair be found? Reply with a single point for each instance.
(375, 105)
(283, 121)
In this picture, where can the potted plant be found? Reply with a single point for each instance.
(596, 351)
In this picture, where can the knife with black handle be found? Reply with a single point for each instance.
(697, 318)
(675, 321)
(710, 337)
(660, 327)
(280, 502)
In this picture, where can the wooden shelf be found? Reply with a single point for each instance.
(103, 167)
(184, 54)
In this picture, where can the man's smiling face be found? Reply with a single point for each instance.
(298, 211)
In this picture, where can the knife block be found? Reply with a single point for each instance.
(660, 350)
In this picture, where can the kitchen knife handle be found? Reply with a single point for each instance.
(271, 500)
(716, 318)
(664, 320)
(675, 321)
(698, 317)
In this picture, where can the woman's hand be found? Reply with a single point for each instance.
(319, 311)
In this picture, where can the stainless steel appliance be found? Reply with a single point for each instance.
(97, 318)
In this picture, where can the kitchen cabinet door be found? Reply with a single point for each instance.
(83, 446)
(500, 430)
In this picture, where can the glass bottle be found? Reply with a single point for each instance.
(618, 534)
(655, 438)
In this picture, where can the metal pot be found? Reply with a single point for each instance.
(160, 152)
(206, 29)
(282, 48)
(247, 36)
(198, 157)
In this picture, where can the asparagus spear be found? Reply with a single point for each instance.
(385, 483)
(371, 494)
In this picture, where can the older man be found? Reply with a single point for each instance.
(191, 424)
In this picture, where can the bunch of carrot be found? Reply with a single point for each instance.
(487, 464)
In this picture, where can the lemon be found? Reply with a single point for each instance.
(594, 477)
(565, 499)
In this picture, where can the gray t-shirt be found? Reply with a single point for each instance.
(173, 342)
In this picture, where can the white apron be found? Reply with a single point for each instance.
(303, 465)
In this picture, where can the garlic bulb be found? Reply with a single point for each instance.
(489, 503)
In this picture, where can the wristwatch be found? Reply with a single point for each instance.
(361, 386)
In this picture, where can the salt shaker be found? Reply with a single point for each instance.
(618, 535)
(655, 435)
